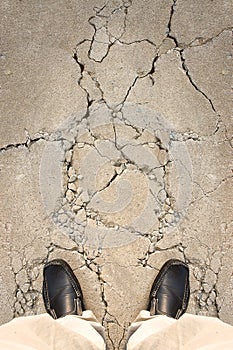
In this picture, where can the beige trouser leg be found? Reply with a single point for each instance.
(188, 333)
(42, 332)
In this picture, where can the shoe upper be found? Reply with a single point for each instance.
(170, 291)
(61, 290)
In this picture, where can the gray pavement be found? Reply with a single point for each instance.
(116, 151)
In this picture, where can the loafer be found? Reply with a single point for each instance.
(61, 290)
(170, 291)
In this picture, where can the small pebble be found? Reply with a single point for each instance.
(127, 3)
(72, 186)
(80, 144)
(195, 136)
(30, 304)
(73, 178)
(62, 218)
(19, 296)
(162, 196)
(151, 248)
(224, 72)
(197, 273)
(207, 287)
(71, 171)
(66, 145)
(151, 145)
(76, 208)
(119, 170)
(69, 195)
(18, 307)
(80, 249)
(93, 267)
(213, 295)
(154, 239)
(169, 218)
(79, 191)
(202, 303)
(25, 287)
(68, 156)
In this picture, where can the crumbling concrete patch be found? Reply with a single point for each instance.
(118, 113)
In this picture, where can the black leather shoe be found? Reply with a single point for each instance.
(170, 291)
(61, 290)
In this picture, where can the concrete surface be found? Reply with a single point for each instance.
(116, 150)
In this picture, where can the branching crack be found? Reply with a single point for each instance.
(182, 58)
(185, 68)
(27, 144)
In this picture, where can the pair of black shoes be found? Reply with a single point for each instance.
(63, 296)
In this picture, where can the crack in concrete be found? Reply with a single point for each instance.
(187, 72)
(22, 302)
(90, 212)
(28, 143)
(207, 193)
(200, 41)
(94, 214)
(94, 267)
(156, 236)
(102, 30)
(206, 295)
(89, 262)
(172, 10)
(137, 42)
(26, 296)
(94, 79)
(181, 52)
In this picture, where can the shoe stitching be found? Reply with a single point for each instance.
(186, 294)
(46, 294)
(53, 314)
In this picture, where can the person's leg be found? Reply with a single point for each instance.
(43, 332)
(162, 327)
(69, 327)
(63, 295)
(189, 332)
(169, 296)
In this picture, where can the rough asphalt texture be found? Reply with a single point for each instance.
(116, 144)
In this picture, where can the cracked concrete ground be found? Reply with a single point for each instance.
(116, 150)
